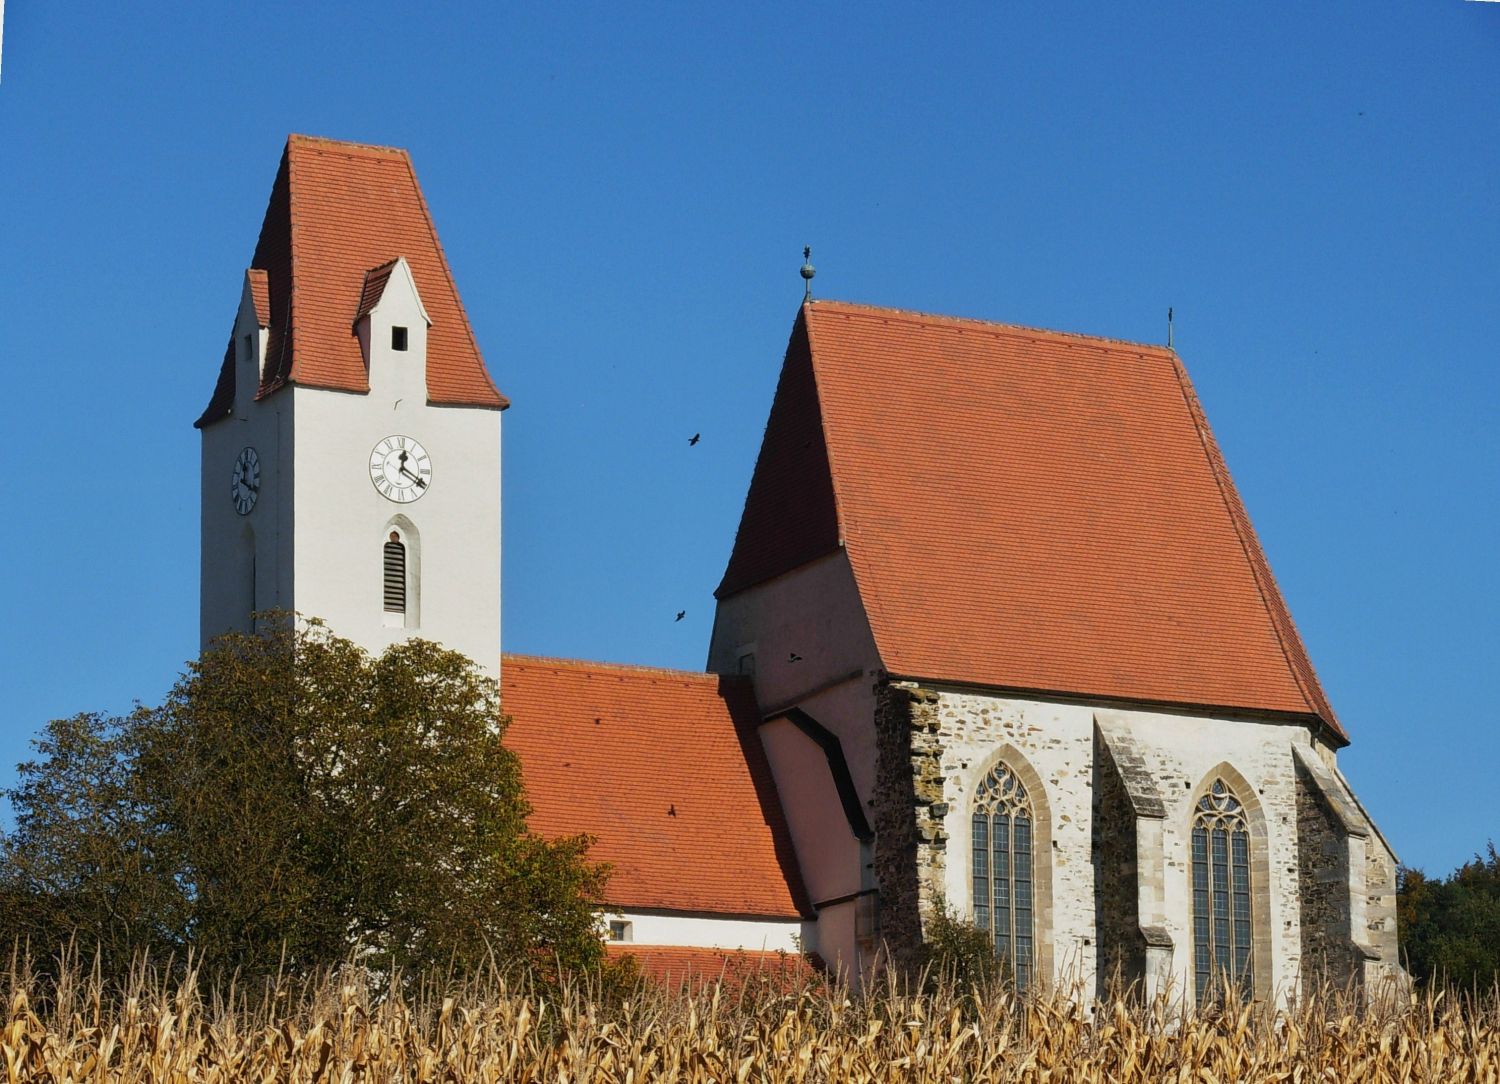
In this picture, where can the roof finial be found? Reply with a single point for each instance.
(808, 271)
(1169, 327)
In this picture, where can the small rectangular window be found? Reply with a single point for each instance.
(619, 931)
(398, 338)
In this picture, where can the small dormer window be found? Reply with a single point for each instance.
(398, 338)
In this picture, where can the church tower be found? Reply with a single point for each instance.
(351, 449)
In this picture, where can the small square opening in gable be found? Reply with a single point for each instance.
(398, 338)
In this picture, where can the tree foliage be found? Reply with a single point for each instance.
(1450, 928)
(960, 952)
(294, 802)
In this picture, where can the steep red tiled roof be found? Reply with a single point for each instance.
(336, 211)
(673, 966)
(260, 295)
(1024, 509)
(665, 768)
(373, 289)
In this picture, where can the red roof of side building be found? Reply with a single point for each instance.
(665, 769)
(1022, 509)
(673, 966)
(337, 211)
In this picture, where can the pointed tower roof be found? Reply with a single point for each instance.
(1022, 509)
(337, 212)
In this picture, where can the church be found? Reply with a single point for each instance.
(995, 635)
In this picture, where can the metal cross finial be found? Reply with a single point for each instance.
(808, 271)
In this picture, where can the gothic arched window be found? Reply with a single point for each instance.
(1222, 938)
(1002, 869)
(395, 575)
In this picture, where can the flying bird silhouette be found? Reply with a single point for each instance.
(793, 657)
(681, 614)
(694, 439)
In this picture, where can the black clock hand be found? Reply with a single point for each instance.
(420, 484)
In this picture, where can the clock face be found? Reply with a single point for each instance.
(400, 469)
(244, 483)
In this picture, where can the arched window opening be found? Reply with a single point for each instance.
(1222, 938)
(395, 575)
(1002, 870)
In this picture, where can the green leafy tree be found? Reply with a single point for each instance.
(295, 802)
(1450, 928)
(85, 853)
(961, 952)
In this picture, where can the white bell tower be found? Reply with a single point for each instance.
(351, 453)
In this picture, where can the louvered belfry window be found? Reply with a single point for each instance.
(1221, 894)
(395, 575)
(1002, 878)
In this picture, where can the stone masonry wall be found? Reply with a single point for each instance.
(1386, 974)
(910, 838)
(1177, 753)
(1328, 954)
(934, 745)
(1121, 950)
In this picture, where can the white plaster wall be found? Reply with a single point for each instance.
(814, 612)
(1180, 750)
(341, 521)
(224, 557)
(688, 930)
(827, 852)
(838, 939)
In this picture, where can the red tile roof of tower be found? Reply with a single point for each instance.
(260, 294)
(336, 211)
(665, 768)
(1022, 509)
(373, 289)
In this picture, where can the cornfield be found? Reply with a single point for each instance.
(338, 1029)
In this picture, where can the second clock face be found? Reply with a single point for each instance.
(244, 483)
(400, 469)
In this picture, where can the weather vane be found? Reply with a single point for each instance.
(808, 272)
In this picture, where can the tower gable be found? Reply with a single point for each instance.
(248, 342)
(393, 330)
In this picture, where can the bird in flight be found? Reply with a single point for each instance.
(694, 439)
(681, 614)
(792, 656)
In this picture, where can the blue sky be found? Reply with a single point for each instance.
(624, 191)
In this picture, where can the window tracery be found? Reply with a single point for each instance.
(1002, 880)
(1222, 932)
